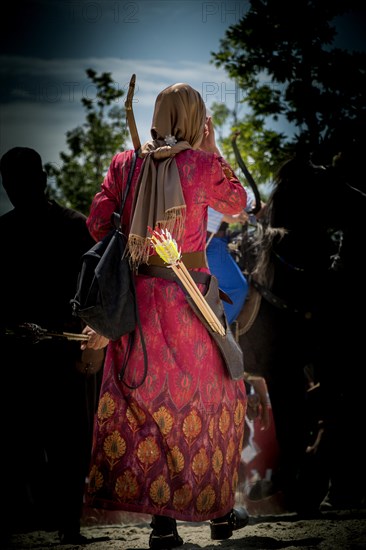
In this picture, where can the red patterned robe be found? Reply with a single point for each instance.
(171, 447)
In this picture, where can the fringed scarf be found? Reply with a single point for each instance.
(178, 124)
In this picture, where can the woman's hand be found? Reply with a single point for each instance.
(242, 217)
(208, 142)
(95, 341)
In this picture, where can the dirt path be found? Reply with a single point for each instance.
(341, 530)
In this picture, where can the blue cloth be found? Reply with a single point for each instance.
(231, 279)
(214, 220)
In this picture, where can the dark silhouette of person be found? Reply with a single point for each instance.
(47, 414)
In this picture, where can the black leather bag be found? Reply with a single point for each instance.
(105, 296)
(230, 349)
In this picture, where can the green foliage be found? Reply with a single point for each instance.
(262, 150)
(280, 55)
(91, 146)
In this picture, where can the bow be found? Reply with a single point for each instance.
(247, 174)
(130, 116)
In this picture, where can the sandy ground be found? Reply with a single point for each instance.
(331, 530)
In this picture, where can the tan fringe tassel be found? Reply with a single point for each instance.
(174, 221)
(139, 248)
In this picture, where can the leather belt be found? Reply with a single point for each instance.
(192, 260)
(168, 274)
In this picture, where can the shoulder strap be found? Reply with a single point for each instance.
(129, 179)
(116, 217)
(131, 336)
(131, 340)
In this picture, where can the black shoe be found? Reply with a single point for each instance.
(72, 538)
(222, 528)
(164, 534)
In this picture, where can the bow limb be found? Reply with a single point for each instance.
(247, 174)
(130, 116)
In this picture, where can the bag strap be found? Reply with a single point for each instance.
(116, 217)
(129, 179)
(131, 340)
(131, 336)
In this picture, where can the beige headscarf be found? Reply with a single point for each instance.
(178, 124)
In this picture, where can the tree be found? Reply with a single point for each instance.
(280, 55)
(91, 146)
(267, 148)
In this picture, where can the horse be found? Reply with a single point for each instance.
(289, 261)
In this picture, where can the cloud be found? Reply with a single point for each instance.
(41, 99)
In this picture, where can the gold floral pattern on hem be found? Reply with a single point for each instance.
(224, 421)
(200, 464)
(148, 452)
(192, 426)
(127, 486)
(135, 416)
(182, 497)
(225, 493)
(206, 499)
(95, 480)
(234, 481)
(160, 491)
(217, 461)
(106, 407)
(175, 459)
(114, 447)
(164, 420)
(239, 415)
(211, 429)
(230, 451)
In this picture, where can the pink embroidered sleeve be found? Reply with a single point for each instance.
(227, 195)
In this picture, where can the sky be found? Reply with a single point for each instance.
(47, 45)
